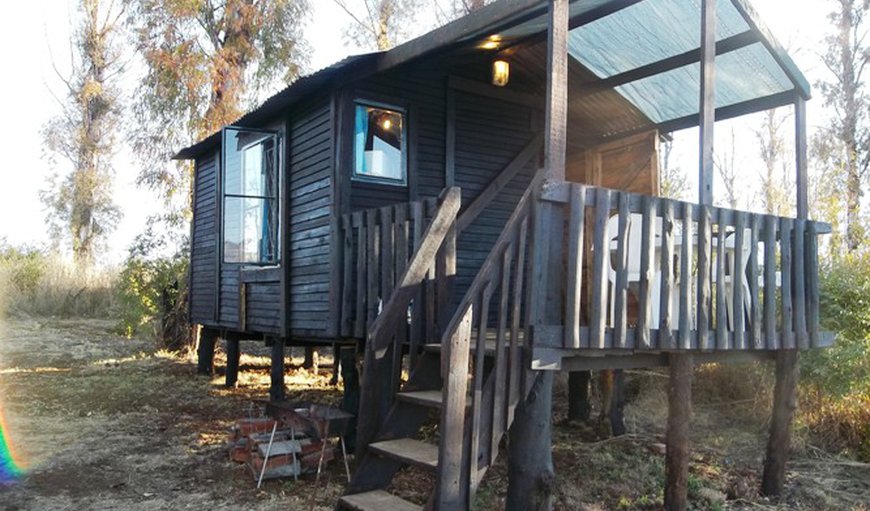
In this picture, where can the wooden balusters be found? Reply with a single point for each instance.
(647, 259)
(574, 280)
(600, 270)
(685, 325)
(737, 277)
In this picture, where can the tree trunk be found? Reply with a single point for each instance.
(578, 395)
(530, 460)
(784, 405)
(679, 417)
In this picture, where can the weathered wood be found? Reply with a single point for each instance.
(666, 338)
(499, 424)
(621, 287)
(205, 351)
(784, 405)
(418, 311)
(450, 490)
(388, 263)
(737, 283)
(530, 471)
(276, 389)
(722, 337)
(373, 298)
(359, 329)
(574, 277)
(600, 265)
(494, 188)
(233, 356)
(647, 258)
(756, 341)
(813, 284)
(770, 332)
(705, 259)
(679, 419)
(686, 327)
(799, 277)
(786, 304)
(347, 303)
(515, 374)
(445, 274)
(481, 314)
(556, 99)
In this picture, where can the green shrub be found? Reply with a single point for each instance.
(149, 291)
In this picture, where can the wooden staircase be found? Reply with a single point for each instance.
(471, 381)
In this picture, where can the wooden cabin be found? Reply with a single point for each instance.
(481, 205)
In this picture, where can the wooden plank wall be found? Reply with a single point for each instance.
(489, 134)
(203, 256)
(310, 196)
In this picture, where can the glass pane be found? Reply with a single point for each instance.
(378, 143)
(249, 163)
(250, 227)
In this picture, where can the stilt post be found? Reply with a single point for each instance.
(205, 351)
(233, 357)
(276, 391)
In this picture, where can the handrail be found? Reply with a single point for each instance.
(423, 259)
(461, 448)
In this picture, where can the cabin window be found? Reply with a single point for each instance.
(379, 153)
(250, 188)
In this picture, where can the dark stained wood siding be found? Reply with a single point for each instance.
(489, 134)
(310, 195)
(203, 255)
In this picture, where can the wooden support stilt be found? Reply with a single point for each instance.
(784, 405)
(351, 398)
(276, 391)
(233, 356)
(530, 461)
(578, 395)
(679, 416)
(308, 363)
(205, 352)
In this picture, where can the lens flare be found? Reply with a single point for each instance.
(11, 466)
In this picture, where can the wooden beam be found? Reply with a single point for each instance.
(480, 203)
(556, 110)
(707, 100)
(457, 83)
(800, 119)
(724, 46)
(450, 138)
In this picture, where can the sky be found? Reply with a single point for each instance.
(41, 31)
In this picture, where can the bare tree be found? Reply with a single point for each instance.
(448, 10)
(776, 177)
(724, 162)
(79, 204)
(673, 182)
(380, 24)
(846, 58)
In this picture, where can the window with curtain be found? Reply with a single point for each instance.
(379, 144)
(250, 203)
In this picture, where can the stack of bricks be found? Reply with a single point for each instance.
(249, 443)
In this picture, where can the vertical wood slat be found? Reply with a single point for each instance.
(800, 297)
(721, 293)
(812, 269)
(388, 264)
(347, 303)
(737, 281)
(450, 488)
(621, 287)
(600, 266)
(666, 338)
(685, 335)
(514, 378)
(647, 258)
(482, 315)
(574, 278)
(417, 311)
(771, 340)
(445, 272)
(359, 329)
(755, 339)
(400, 252)
(705, 258)
(498, 408)
(785, 246)
(373, 257)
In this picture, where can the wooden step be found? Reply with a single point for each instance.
(430, 398)
(377, 500)
(410, 451)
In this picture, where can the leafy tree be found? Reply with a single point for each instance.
(776, 178)
(673, 182)
(206, 62)
(79, 203)
(848, 133)
(380, 24)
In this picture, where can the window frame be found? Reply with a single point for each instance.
(276, 136)
(379, 180)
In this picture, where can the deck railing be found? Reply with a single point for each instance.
(649, 273)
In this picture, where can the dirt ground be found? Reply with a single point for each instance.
(104, 422)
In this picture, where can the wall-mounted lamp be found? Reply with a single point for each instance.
(501, 73)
